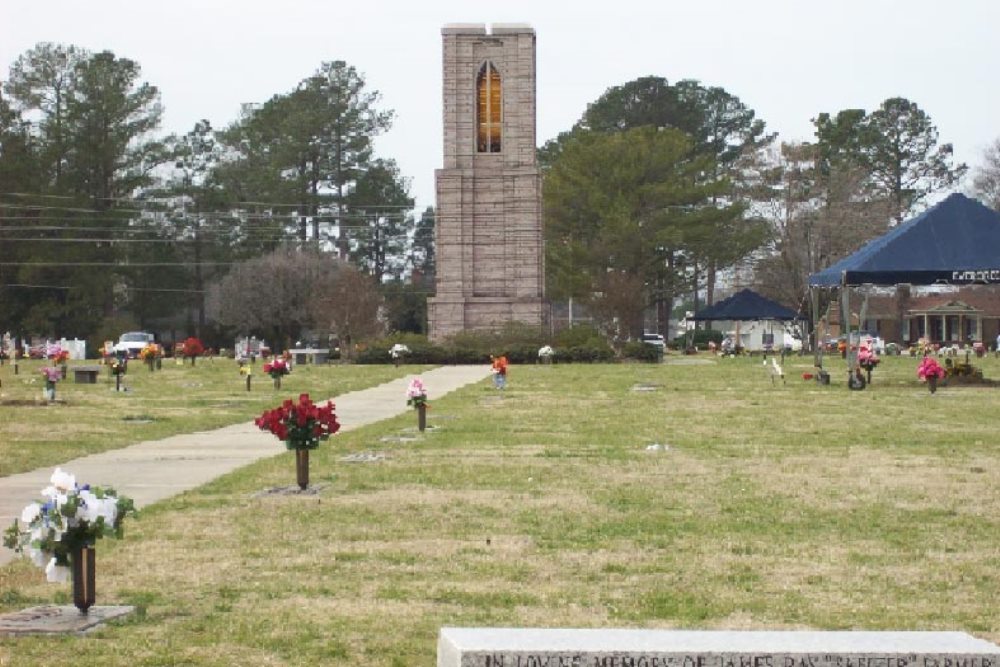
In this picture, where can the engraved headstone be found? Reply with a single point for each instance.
(510, 647)
(52, 619)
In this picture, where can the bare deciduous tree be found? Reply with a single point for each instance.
(986, 184)
(348, 307)
(271, 295)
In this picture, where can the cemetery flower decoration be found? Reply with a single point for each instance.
(416, 394)
(192, 348)
(58, 355)
(60, 532)
(277, 368)
(302, 424)
(398, 350)
(928, 368)
(545, 352)
(867, 358)
(930, 371)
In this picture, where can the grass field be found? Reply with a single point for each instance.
(768, 506)
(89, 418)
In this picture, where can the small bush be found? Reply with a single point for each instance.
(640, 351)
(700, 339)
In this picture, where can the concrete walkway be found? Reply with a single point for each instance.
(151, 471)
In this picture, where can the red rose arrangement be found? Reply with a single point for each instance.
(301, 425)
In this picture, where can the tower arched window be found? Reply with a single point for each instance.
(488, 105)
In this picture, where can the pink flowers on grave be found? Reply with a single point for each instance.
(867, 358)
(929, 367)
(416, 394)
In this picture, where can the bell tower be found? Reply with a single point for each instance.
(488, 225)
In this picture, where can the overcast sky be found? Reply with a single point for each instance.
(786, 59)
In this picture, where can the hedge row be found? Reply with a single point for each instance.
(518, 342)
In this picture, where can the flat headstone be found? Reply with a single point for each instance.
(363, 457)
(511, 647)
(311, 490)
(398, 438)
(62, 619)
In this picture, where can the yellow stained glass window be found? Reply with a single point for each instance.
(489, 102)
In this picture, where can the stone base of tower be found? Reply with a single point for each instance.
(448, 316)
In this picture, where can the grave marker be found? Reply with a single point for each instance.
(511, 647)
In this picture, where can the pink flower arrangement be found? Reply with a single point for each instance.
(929, 367)
(416, 393)
(867, 358)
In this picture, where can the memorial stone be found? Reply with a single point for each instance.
(510, 647)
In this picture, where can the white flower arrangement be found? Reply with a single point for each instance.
(71, 516)
(398, 350)
(546, 351)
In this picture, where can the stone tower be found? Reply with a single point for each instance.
(488, 226)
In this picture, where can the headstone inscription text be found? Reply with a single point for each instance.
(511, 647)
(744, 660)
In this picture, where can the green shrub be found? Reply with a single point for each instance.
(577, 335)
(700, 339)
(640, 351)
(593, 351)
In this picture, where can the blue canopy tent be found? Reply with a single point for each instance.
(747, 305)
(957, 242)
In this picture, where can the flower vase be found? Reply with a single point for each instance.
(277, 382)
(84, 571)
(50, 390)
(932, 382)
(422, 417)
(63, 370)
(159, 363)
(302, 468)
(248, 382)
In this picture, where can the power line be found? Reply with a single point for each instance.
(76, 287)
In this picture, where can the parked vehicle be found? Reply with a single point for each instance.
(131, 343)
(654, 339)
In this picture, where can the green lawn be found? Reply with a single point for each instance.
(769, 506)
(90, 418)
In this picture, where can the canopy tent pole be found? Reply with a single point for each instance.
(817, 348)
(845, 319)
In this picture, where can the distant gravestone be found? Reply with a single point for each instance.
(508, 647)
